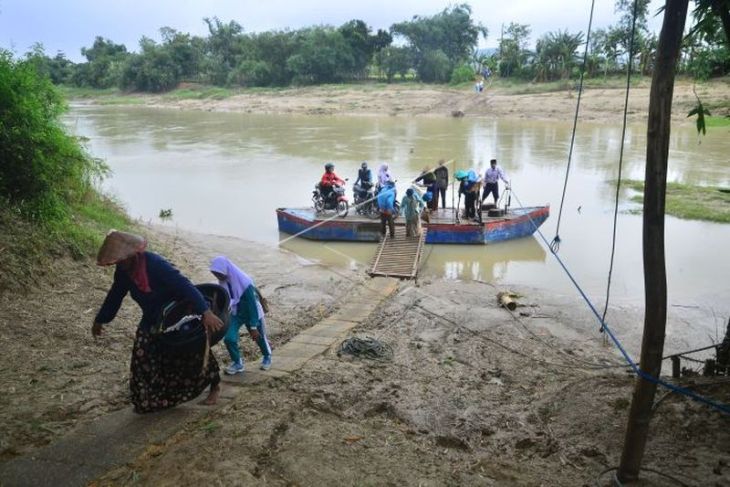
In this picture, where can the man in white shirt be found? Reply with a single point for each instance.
(491, 180)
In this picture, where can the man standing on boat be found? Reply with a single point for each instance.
(491, 181)
(442, 182)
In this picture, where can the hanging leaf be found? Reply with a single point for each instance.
(700, 111)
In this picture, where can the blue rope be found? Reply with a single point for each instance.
(604, 326)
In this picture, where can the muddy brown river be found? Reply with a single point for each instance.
(226, 173)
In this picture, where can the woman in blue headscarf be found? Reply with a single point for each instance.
(246, 310)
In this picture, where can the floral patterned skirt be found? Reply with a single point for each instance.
(162, 380)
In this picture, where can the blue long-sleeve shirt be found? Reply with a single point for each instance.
(166, 284)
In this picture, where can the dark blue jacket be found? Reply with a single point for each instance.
(166, 283)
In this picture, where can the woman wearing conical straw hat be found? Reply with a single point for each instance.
(158, 380)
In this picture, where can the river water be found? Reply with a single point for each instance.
(226, 173)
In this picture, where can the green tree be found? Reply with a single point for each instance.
(153, 69)
(186, 51)
(224, 49)
(274, 48)
(323, 56)
(513, 53)
(363, 44)
(555, 55)
(435, 67)
(451, 32)
(621, 33)
(105, 60)
(394, 60)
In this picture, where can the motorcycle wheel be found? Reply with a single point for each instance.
(342, 209)
(318, 205)
(373, 211)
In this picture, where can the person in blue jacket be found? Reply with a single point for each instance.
(158, 380)
(246, 309)
(386, 205)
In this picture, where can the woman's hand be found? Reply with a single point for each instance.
(96, 329)
(211, 322)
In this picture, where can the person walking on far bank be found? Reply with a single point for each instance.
(246, 309)
(386, 205)
(442, 182)
(491, 181)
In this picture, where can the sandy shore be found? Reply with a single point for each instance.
(473, 396)
(604, 104)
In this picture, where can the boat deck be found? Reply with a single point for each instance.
(442, 228)
(438, 217)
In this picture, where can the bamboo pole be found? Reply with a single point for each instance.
(655, 278)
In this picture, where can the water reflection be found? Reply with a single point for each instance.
(459, 262)
(482, 263)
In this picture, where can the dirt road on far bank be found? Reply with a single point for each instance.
(600, 104)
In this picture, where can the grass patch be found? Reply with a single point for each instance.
(28, 248)
(717, 122)
(109, 96)
(194, 92)
(690, 202)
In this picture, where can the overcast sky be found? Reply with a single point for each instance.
(68, 25)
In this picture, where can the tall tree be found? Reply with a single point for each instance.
(555, 54)
(105, 60)
(513, 51)
(655, 186)
(452, 31)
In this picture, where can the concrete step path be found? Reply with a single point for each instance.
(316, 340)
(93, 449)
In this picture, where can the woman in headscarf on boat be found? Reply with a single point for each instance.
(384, 175)
(246, 310)
(158, 380)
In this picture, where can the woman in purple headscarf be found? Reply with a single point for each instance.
(246, 310)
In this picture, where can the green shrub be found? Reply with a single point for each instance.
(434, 67)
(251, 73)
(43, 169)
(462, 74)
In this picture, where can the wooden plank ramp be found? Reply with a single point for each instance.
(400, 256)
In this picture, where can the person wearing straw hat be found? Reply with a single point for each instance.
(158, 380)
(246, 309)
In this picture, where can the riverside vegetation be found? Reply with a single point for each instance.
(441, 48)
(49, 206)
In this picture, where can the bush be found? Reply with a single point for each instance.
(43, 170)
(462, 74)
(434, 67)
(251, 73)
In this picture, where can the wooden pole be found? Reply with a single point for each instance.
(655, 278)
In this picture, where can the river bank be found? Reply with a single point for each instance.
(474, 395)
(602, 101)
